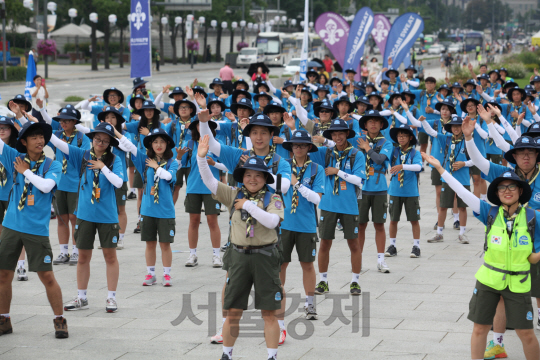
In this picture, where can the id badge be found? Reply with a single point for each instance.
(183, 127)
(30, 200)
(251, 232)
(240, 137)
(152, 192)
(98, 193)
(429, 102)
(343, 185)
(371, 171)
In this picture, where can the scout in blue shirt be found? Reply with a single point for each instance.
(377, 151)
(26, 223)
(217, 107)
(112, 97)
(299, 227)
(409, 78)
(343, 107)
(344, 169)
(306, 101)
(394, 80)
(493, 152)
(260, 101)
(217, 86)
(515, 108)
(275, 112)
(100, 174)
(66, 196)
(456, 162)
(535, 82)
(484, 87)
(325, 112)
(139, 88)
(158, 167)
(469, 90)
(376, 101)
(406, 163)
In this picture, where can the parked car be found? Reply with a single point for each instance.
(446, 44)
(292, 67)
(249, 55)
(455, 48)
(435, 49)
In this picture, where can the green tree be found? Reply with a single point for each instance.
(18, 14)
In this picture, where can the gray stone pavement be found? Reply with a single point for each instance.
(417, 311)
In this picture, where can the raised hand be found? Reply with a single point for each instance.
(431, 160)
(20, 165)
(166, 89)
(289, 121)
(479, 89)
(204, 115)
(201, 100)
(202, 151)
(485, 115)
(494, 110)
(30, 117)
(152, 163)
(229, 115)
(532, 108)
(468, 127)
(39, 103)
(403, 104)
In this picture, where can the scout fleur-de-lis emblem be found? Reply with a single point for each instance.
(379, 33)
(138, 17)
(332, 34)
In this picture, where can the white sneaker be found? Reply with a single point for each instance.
(192, 260)
(216, 261)
(21, 274)
(382, 267)
(111, 305)
(463, 239)
(120, 244)
(218, 338)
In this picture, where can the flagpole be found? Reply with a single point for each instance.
(4, 55)
(305, 44)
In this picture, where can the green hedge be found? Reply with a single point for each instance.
(73, 98)
(84, 47)
(19, 40)
(15, 73)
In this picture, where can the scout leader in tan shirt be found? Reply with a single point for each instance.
(254, 258)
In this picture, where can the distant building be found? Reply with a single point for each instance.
(521, 6)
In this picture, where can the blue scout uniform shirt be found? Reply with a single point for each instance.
(33, 219)
(377, 181)
(484, 213)
(478, 141)
(304, 219)
(422, 100)
(353, 125)
(104, 211)
(461, 175)
(309, 109)
(472, 95)
(496, 170)
(96, 109)
(507, 109)
(133, 128)
(230, 156)
(232, 131)
(489, 91)
(165, 208)
(395, 86)
(410, 179)
(180, 134)
(70, 180)
(6, 189)
(436, 150)
(195, 185)
(220, 135)
(344, 202)
(284, 132)
(122, 156)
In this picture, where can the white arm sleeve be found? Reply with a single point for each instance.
(312, 87)
(163, 174)
(112, 177)
(414, 121)
(483, 134)
(309, 195)
(497, 138)
(45, 116)
(1, 146)
(197, 107)
(499, 128)
(486, 97)
(44, 185)
(509, 129)
(469, 163)
(472, 201)
(400, 118)
(480, 161)
(436, 112)
(271, 86)
(413, 82)
(127, 145)
(518, 131)
(159, 104)
(302, 115)
(385, 113)
(85, 105)
(82, 128)
(285, 184)
(356, 116)
(405, 86)
(412, 167)
(220, 166)
(206, 174)
(267, 220)
(277, 100)
(353, 179)
(428, 128)
(536, 117)
(527, 123)
(249, 144)
(378, 79)
(214, 145)
(60, 145)
(23, 120)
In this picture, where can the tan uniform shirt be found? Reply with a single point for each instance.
(262, 235)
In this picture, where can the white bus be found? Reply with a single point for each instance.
(277, 47)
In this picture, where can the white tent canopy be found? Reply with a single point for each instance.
(21, 29)
(99, 34)
(70, 30)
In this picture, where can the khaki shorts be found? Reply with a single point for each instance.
(412, 208)
(151, 227)
(85, 234)
(496, 159)
(121, 195)
(423, 138)
(65, 202)
(3, 208)
(328, 221)
(518, 306)
(38, 250)
(378, 205)
(435, 177)
(181, 174)
(306, 245)
(253, 270)
(225, 257)
(473, 170)
(137, 180)
(447, 197)
(193, 204)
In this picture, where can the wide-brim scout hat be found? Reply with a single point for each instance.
(535, 79)
(262, 94)
(177, 91)
(177, 104)
(244, 103)
(300, 137)
(322, 88)
(457, 85)
(242, 81)
(350, 70)
(200, 90)
(411, 67)
(465, 102)
(111, 109)
(443, 87)
(533, 131)
(147, 104)
(509, 84)
(67, 114)
(409, 93)
(259, 84)
(403, 128)
(483, 76)
(134, 98)
(331, 82)
(260, 119)
(307, 91)
(338, 125)
(193, 125)
(147, 142)
(326, 106)
(104, 128)
(448, 102)
(47, 133)
(217, 101)
(377, 95)
(530, 95)
(372, 114)
(235, 94)
(312, 72)
(391, 70)
(253, 163)
(503, 69)
(343, 99)
(216, 81)
(364, 100)
(492, 193)
(360, 86)
(71, 107)
(20, 99)
(273, 107)
(108, 91)
(496, 72)
(530, 88)
(393, 96)
(4, 120)
(456, 120)
(523, 142)
(510, 91)
(287, 83)
(138, 82)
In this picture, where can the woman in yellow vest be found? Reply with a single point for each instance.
(509, 250)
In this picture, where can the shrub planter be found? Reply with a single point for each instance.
(63, 61)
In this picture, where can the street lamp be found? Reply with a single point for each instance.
(112, 19)
(29, 4)
(4, 61)
(93, 20)
(234, 25)
(243, 26)
(178, 20)
(164, 20)
(213, 24)
(266, 26)
(72, 14)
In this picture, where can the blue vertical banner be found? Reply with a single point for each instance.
(140, 40)
(358, 34)
(30, 73)
(305, 44)
(404, 32)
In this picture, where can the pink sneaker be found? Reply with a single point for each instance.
(218, 338)
(167, 280)
(149, 280)
(282, 336)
